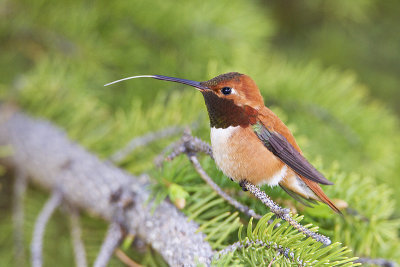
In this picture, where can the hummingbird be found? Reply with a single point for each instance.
(250, 143)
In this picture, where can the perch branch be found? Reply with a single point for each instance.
(112, 240)
(283, 213)
(51, 160)
(76, 234)
(40, 226)
(20, 186)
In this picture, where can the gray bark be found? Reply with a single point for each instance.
(51, 160)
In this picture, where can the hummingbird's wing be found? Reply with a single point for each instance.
(280, 147)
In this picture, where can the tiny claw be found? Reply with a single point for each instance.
(243, 185)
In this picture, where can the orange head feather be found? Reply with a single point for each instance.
(243, 90)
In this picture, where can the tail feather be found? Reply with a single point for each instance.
(318, 191)
(305, 201)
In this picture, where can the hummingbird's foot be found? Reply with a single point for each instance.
(243, 185)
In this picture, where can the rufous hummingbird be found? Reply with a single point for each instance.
(249, 142)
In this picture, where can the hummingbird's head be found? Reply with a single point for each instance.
(237, 87)
(232, 99)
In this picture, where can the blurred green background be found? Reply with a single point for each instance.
(329, 69)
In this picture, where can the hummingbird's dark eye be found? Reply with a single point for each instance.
(226, 90)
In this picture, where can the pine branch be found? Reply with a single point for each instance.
(40, 226)
(284, 245)
(259, 243)
(52, 161)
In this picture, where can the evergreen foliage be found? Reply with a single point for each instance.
(58, 54)
(283, 246)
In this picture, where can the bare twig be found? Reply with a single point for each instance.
(40, 226)
(112, 240)
(377, 261)
(190, 145)
(76, 234)
(20, 186)
(144, 140)
(174, 147)
(125, 259)
(243, 208)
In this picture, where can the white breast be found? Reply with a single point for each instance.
(221, 136)
(220, 143)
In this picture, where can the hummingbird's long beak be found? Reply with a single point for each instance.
(165, 78)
